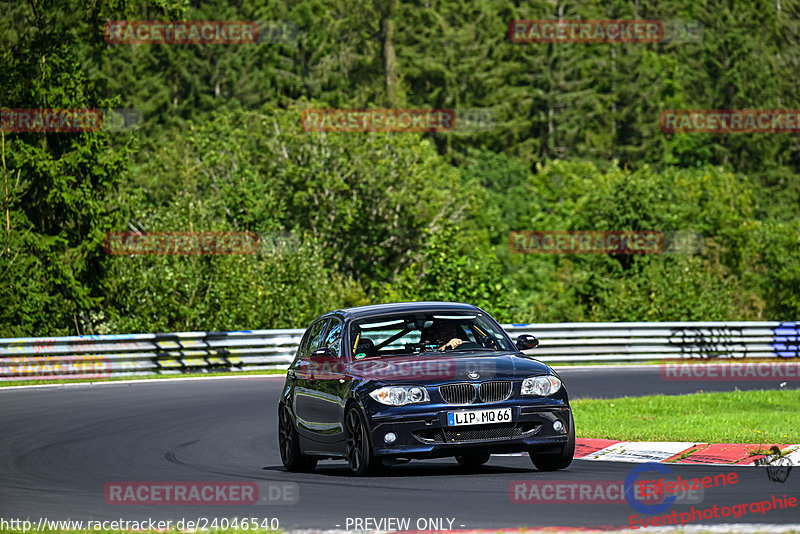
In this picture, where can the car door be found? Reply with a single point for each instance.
(305, 394)
(330, 384)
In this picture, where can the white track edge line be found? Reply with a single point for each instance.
(139, 381)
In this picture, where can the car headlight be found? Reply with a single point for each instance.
(541, 385)
(400, 395)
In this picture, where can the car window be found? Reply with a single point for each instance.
(471, 333)
(412, 334)
(301, 349)
(333, 339)
(314, 337)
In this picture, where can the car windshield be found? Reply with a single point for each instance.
(417, 333)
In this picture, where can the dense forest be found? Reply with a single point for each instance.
(217, 144)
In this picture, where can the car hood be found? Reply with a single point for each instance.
(448, 367)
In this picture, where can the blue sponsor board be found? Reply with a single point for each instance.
(786, 340)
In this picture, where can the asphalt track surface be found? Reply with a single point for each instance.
(59, 447)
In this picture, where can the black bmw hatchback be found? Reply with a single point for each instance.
(385, 384)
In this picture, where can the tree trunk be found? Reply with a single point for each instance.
(386, 8)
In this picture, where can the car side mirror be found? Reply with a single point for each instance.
(324, 353)
(527, 341)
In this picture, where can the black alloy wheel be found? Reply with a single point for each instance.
(358, 448)
(291, 455)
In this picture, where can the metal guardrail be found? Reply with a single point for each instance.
(605, 342)
(185, 352)
(145, 354)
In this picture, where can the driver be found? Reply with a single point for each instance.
(444, 333)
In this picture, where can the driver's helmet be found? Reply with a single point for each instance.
(440, 332)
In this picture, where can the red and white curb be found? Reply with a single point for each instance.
(680, 452)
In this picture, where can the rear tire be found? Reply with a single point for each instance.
(561, 460)
(358, 447)
(472, 461)
(289, 444)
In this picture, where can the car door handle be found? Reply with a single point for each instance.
(312, 380)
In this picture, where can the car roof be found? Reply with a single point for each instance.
(405, 307)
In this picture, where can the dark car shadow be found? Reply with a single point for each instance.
(412, 469)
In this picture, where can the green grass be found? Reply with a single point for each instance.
(145, 377)
(730, 417)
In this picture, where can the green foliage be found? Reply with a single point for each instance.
(727, 280)
(452, 269)
(353, 218)
(318, 191)
(284, 285)
(59, 187)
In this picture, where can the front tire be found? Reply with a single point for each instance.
(289, 444)
(359, 450)
(561, 460)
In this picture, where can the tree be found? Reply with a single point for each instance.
(60, 187)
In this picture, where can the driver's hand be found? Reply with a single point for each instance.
(453, 343)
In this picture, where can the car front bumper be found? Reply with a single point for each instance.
(424, 433)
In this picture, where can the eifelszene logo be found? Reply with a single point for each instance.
(778, 467)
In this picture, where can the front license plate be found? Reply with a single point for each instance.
(479, 417)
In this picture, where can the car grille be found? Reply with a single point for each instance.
(464, 393)
(458, 393)
(489, 433)
(495, 391)
(477, 433)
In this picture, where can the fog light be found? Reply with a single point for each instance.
(558, 426)
(390, 437)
